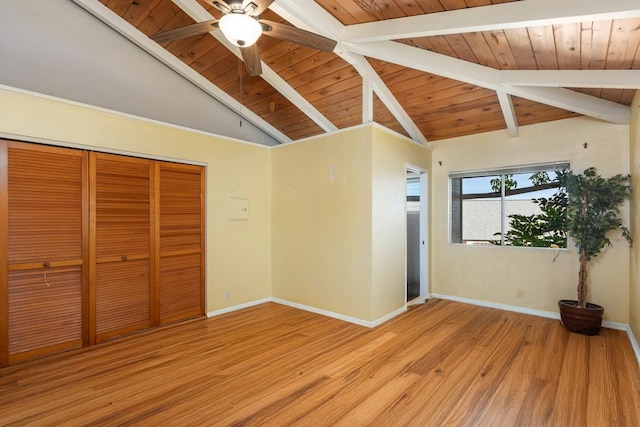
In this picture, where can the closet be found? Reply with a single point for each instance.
(94, 246)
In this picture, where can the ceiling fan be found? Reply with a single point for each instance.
(241, 25)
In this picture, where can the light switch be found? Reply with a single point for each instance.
(238, 209)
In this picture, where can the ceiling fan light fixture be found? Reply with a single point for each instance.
(240, 29)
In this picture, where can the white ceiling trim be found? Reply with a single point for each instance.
(103, 13)
(363, 67)
(601, 79)
(308, 15)
(489, 78)
(574, 101)
(200, 14)
(510, 118)
(519, 14)
(431, 62)
(367, 100)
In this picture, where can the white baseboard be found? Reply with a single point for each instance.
(542, 313)
(616, 325)
(388, 317)
(634, 342)
(237, 307)
(505, 307)
(355, 320)
(417, 301)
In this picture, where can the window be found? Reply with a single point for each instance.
(519, 206)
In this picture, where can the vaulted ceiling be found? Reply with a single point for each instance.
(428, 69)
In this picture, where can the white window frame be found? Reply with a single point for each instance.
(510, 170)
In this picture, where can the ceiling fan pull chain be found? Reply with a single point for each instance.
(240, 78)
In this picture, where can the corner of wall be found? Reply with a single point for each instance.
(634, 264)
(392, 153)
(321, 228)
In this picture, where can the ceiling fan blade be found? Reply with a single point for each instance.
(189, 30)
(251, 59)
(296, 35)
(261, 5)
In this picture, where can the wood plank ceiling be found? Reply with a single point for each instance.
(429, 69)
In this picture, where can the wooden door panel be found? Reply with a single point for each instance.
(45, 204)
(181, 245)
(122, 197)
(45, 229)
(122, 298)
(45, 316)
(121, 248)
(180, 290)
(180, 208)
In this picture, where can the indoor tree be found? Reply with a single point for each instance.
(592, 211)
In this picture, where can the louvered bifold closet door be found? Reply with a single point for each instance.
(181, 243)
(121, 258)
(44, 230)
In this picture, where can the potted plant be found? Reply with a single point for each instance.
(592, 212)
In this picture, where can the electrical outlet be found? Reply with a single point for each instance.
(227, 294)
(520, 293)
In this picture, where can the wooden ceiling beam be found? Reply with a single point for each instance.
(600, 79)
(489, 78)
(100, 11)
(519, 14)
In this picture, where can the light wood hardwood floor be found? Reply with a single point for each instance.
(442, 363)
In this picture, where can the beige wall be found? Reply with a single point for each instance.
(238, 252)
(494, 273)
(634, 282)
(391, 155)
(322, 227)
(338, 245)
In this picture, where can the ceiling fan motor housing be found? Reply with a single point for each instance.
(236, 6)
(240, 29)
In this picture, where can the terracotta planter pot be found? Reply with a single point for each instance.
(585, 321)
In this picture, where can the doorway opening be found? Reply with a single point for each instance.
(416, 235)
